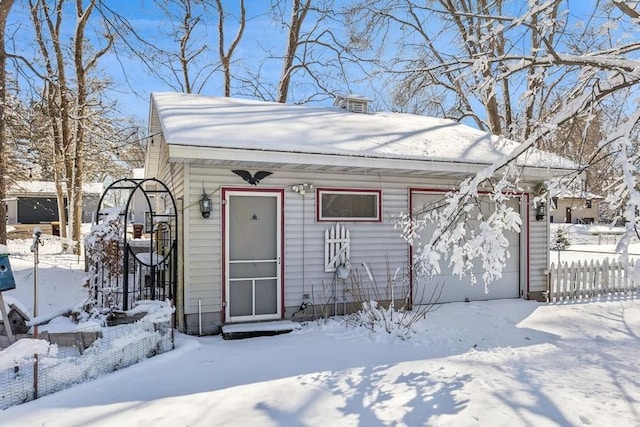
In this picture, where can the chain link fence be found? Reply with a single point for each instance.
(119, 347)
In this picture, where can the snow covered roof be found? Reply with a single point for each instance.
(576, 194)
(230, 123)
(137, 173)
(49, 188)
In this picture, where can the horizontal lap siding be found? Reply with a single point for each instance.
(370, 241)
(154, 144)
(304, 236)
(173, 176)
(304, 252)
(538, 251)
(203, 242)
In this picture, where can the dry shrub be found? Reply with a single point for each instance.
(388, 308)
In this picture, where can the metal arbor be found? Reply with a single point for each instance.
(148, 249)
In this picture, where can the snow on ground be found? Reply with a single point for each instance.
(591, 242)
(60, 276)
(498, 363)
(508, 362)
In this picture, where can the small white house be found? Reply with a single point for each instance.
(34, 202)
(140, 204)
(297, 190)
(575, 207)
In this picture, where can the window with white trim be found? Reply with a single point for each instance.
(348, 205)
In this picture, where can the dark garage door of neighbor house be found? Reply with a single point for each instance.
(33, 210)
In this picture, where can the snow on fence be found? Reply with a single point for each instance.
(120, 346)
(589, 279)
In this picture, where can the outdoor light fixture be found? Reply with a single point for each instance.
(540, 211)
(205, 205)
(302, 188)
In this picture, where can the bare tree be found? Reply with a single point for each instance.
(69, 102)
(28, 158)
(456, 55)
(312, 59)
(225, 57)
(299, 10)
(184, 69)
(529, 73)
(115, 147)
(313, 48)
(5, 8)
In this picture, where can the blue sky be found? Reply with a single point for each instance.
(261, 34)
(133, 83)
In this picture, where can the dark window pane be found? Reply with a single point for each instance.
(349, 205)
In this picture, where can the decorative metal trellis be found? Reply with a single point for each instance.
(147, 253)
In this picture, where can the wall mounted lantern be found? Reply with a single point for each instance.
(205, 205)
(540, 211)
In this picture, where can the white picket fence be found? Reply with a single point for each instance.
(337, 247)
(590, 279)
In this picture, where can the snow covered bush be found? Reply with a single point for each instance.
(105, 266)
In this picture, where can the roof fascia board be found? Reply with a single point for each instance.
(180, 153)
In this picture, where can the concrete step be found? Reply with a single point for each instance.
(236, 331)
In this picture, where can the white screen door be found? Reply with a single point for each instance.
(253, 250)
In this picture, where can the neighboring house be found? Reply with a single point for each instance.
(34, 202)
(265, 249)
(576, 207)
(140, 204)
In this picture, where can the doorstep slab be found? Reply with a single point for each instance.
(258, 329)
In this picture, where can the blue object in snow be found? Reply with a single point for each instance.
(7, 282)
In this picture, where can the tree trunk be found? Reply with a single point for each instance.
(5, 7)
(298, 14)
(67, 106)
(225, 58)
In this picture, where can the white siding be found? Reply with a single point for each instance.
(173, 175)
(12, 211)
(538, 251)
(304, 236)
(579, 212)
(202, 243)
(154, 143)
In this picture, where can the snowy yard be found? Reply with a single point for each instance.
(508, 362)
(591, 242)
(488, 363)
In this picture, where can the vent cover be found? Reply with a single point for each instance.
(353, 103)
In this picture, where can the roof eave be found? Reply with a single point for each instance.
(182, 153)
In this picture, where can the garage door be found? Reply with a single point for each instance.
(33, 210)
(426, 289)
